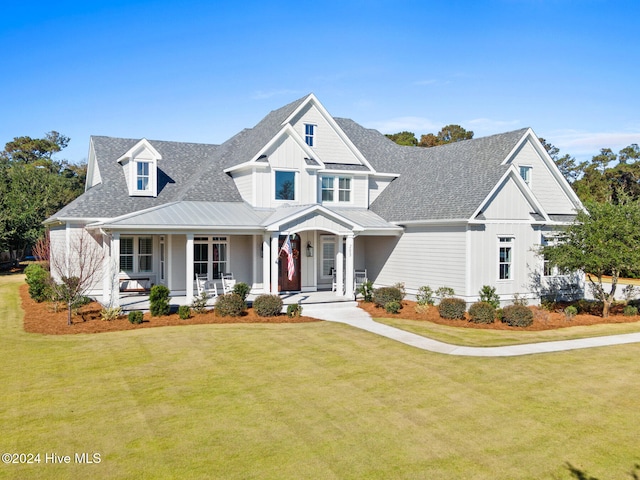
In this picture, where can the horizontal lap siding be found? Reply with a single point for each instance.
(433, 256)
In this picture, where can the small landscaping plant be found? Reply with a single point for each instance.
(445, 292)
(393, 307)
(630, 311)
(400, 287)
(159, 301)
(425, 296)
(488, 294)
(267, 305)
(570, 312)
(517, 316)
(482, 312)
(294, 310)
(199, 304)
(135, 317)
(230, 305)
(452, 308)
(38, 280)
(184, 312)
(242, 289)
(384, 295)
(366, 290)
(110, 313)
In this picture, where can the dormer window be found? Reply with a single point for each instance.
(143, 176)
(140, 168)
(309, 133)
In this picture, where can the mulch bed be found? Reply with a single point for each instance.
(42, 318)
(542, 319)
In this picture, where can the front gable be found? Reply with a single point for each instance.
(510, 202)
(542, 176)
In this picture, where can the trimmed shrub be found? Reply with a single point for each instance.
(159, 301)
(630, 311)
(267, 305)
(393, 307)
(135, 317)
(452, 308)
(570, 312)
(230, 305)
(184, 312)
(110, 313)
(366, 290)
(38, 280)
(294, 310)
(242, 289)
(384, 295)
(425, 296)
(482, 312)
(589, 307)
(199, 304)
(517, 316)
(488, 295)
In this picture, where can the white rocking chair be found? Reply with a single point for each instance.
(206, 286)
(360, 277)
(228, 282)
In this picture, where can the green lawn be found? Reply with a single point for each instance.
(472, 337)
(318, 400)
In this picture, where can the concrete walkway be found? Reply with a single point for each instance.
(350, 314)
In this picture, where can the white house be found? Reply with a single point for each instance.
(461, 215)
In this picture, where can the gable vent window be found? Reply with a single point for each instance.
(309, 134)
(525, 173)
(142, 177)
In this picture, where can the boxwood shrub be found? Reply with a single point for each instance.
(482, 312)
(184, 312)
(230, 305)
(38, 280)
(384, 295)
(517, 316)
(159, 301)
(452, 308)
(135, 317)
(294, 310)
(393, 307)
(267, 305)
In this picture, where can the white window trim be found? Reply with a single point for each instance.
(511, 244)
(327, 239)
(210, 240)
(152, 191)
(136, 255)
(296, 186)
(530, 168)
(313, 136)
(336, 189)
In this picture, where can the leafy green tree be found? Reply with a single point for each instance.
(33, 186)
(448, 134)
(403, 138)
(604, 241)
(566, 163)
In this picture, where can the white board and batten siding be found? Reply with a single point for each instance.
(327, 142)
(508, 202)
(433, 256)
(544, 185)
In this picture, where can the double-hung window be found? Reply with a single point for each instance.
(309, 133)
(505, 258)
(142, 176)
(136, 254)
(336, 189)
(210, 256)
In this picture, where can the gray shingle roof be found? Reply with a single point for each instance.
(437, 183)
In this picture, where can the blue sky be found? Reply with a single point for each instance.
(201, 71)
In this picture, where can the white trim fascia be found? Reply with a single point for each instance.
(379, 232)
(137, 212)
(550, 164)
(390, 175)
(195, 229)
(142, 144)
(88, 221)
(364, 173)
(311, 98)
(274, 227)
(522, 186)
(285, 130)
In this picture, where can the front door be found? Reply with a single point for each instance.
(284, 284)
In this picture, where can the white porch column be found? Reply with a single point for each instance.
(107, 273)
(273, 264)
(349, 271)
(115, 256)
(340, 267)
(266, 264)
(190, 271)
